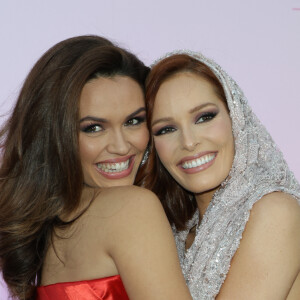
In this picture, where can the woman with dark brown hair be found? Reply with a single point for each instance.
(72, 226)
(226, 189)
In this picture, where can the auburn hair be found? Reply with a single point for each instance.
(179, 204)
(40, 170)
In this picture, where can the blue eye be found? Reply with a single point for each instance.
(135, 121)
(164, 130)
(205, 117)
(92, 128)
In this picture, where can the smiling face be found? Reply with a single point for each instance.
(192, 133)
(113, 133)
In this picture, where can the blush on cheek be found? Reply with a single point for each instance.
(220, 132)
(142, 139)
(162, 150)
(85, 149)
(139, 140)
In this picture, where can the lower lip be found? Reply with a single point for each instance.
(119, 175)
(200, 168)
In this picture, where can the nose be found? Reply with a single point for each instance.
(189, 139)
(118, 143)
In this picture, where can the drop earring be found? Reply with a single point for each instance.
(145, 157)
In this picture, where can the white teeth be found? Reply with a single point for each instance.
(198, 162)
(115, 167)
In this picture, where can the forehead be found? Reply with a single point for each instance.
(184, 90)
(108, 95)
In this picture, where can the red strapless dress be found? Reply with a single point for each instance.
(108, 288)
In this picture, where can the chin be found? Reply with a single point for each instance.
(202, 187)
(117, 182)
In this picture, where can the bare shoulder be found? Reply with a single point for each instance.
(274, 220)
(276, 209)
(131, 192)
(267, 262)
(121, 211)
(125, 200)
(278, 200)
(136, 235)
(140, 242)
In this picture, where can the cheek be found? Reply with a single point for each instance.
(164, 148)
(227, 138)
(88, 149)
(140, 139)
(220, 133)
(222, 137)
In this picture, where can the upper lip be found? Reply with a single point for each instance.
(188, 158)
(116, 160)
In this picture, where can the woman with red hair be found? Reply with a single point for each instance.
(226, 189)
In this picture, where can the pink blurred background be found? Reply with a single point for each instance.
(256, 42)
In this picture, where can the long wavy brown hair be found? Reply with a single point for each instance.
(179, 204)
(40, 170)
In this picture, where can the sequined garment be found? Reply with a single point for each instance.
(258, 169)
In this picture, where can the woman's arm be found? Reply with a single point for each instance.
(267, 262)
(143, 248)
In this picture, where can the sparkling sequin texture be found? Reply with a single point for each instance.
(258, 169)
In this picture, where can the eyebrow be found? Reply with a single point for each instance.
(201, 106)
(198, 107)
(102, 120)
(136, 112)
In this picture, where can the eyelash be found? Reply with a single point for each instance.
(138, 119)
(164, 130)
(207, 116)
(92, 128)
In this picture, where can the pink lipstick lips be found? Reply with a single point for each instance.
(116, 168)
(197, 163)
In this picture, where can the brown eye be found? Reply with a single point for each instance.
(135, 121)
(92, 128)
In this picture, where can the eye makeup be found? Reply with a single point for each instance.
(134, 121)
(200, 118)
(91, 127)
(164, 130)
(92, 124)
(206, 116)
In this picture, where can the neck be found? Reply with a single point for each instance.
(203, 200)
